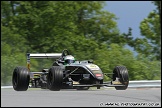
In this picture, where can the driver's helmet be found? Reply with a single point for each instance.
(69, 59)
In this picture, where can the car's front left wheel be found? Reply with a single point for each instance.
(121, 72)
(55, 78)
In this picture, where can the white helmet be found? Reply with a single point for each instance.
(69, 59)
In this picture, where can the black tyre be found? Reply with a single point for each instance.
(121, 72)
(43, 86)
(20, 78)
(55, 78)
(82, 88)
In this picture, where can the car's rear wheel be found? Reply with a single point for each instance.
(121, 72)
(55, 78)
(20, 78)
(82, 88)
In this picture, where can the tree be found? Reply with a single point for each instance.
(150, 29)
(94, 23)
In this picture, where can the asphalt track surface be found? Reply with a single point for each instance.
(35, 97)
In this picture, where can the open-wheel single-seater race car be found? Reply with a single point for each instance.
(67, 73)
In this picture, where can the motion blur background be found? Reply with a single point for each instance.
(110, 33)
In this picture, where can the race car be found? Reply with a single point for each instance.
(67, 73)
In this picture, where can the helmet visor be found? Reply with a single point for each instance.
(69, 61)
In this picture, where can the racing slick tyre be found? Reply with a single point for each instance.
(20, 78)
(82, 88)
(121, 72)
(55, 78)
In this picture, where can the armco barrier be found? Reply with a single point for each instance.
(133, 84)
(145, 84)
(6, 87)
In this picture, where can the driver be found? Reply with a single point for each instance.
(69, 59)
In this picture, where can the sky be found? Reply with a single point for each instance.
(130, 14)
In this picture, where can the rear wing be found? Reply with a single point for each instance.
(41, 55)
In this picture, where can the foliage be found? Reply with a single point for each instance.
(150, 28)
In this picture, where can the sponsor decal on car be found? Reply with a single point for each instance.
(93, 67)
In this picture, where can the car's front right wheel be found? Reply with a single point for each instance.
(20, 78)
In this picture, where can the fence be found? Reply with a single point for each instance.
(145, 84)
